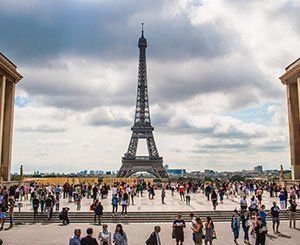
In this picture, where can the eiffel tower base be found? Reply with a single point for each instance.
(131, 166)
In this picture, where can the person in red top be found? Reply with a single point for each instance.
(181, 191)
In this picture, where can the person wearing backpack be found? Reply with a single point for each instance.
(154, 238)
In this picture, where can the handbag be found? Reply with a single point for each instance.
(173, 233)
(214, 235)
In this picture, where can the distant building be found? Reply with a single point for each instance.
(259, 169)
(176, 171)
(209, 173)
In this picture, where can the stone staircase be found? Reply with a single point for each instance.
(134, 217)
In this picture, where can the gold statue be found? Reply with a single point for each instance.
(281, 173)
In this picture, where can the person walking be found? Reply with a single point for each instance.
(178, 226)
(209, 231)
(214, 199)
(245, 225)
(260, 231)
(89, 239)
(163, 195)
(293, 206)
(197, 231)
(120, 237)
(48, 206)
(243, 203)
(104, 236)
(76, 240)
(235, 225)
(275, 217)
(154, 238)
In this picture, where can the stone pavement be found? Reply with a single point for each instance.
(173, 203)
(137, 234)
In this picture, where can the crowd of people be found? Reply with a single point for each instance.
(251, 215)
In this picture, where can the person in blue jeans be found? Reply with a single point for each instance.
(245, 217)
(235, 225)
(114, 203)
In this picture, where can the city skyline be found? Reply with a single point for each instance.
(215, 98)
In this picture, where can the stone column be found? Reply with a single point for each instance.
(8, 129)
(298, 85)
(2, 103)
(294, 127)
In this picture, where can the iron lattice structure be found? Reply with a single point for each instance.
(142, 129)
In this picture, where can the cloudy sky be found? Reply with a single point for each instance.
(213, 67)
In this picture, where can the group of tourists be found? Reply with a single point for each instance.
(105, 237)
(251, 215)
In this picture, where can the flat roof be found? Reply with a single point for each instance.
(290, 66)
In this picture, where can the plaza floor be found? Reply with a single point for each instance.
(137, 234)
(173, 203)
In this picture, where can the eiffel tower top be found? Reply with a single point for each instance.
(142, 112)
(142, 40)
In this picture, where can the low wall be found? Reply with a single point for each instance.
(61, 180)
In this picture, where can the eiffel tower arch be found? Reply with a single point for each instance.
(142, 129)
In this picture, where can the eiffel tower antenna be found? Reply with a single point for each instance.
(142, 128)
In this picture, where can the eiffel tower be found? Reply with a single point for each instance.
(142, 129)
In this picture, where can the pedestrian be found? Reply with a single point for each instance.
(181, 192)
(48, 206)
(214, 199)
(178, 226)
(120, 237)
(64, 216)
(235, 226)
(104, 236)
(11, 211)
(253, 205)
(78, 202)
(243, 203)
(75, 240)
(275, 217)
(98, 212)
(263, 214)
(197, 232)
(245, 225)
(260, 231)
(163, 195)
(114, 203)
(35, 205)
(293, 206)
(89, 239)
(124, 205)
(209, 231)
(188, 199)
(282, 199)
(154, 238)
(3, 210)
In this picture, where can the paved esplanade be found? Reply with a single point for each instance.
(173, 203)
(137, 234)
